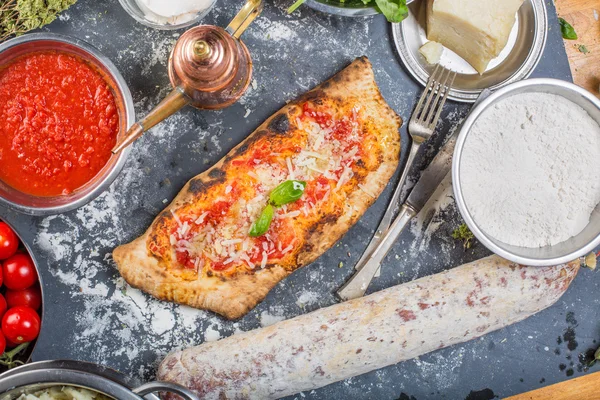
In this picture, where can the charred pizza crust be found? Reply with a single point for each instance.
(233, 295)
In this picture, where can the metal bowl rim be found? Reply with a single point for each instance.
(67, 377)
(343, 11)
(103, 184)
(456, 182)
(81, 373)
(465, 96)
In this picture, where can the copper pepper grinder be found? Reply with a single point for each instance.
(209, 68)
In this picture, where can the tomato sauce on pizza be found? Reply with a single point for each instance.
(327, 149)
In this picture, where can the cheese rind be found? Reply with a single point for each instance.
(476, 30)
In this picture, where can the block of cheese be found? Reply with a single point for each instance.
(476, 30)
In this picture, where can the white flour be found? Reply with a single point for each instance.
(530, 173)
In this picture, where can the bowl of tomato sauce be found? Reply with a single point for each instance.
(63, 106)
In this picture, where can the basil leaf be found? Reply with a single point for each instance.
(287, 192)
(394, 10)
(262, 224)
(567, 30)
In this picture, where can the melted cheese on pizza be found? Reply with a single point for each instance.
(329, 147)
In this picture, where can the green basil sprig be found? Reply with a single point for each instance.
(567, 30)
(393, 10)
(261, 225)
(286, 193)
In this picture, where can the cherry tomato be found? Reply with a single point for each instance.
(2, 343)
(30, 297)
(21, 324)
(19, 272)
(9, 242)
(3, 307)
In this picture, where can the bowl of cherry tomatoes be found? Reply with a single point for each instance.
(20, 300)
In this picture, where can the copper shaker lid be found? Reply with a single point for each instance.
(205, 58)
(209, 68)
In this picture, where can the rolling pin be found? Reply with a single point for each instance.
(358, 336)
(581, 388)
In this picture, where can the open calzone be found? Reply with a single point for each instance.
(275, 203)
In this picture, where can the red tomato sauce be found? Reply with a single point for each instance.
(58, 123)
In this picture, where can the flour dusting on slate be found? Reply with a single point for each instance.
(116, 325)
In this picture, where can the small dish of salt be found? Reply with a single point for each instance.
(526, 172)
(172, 14)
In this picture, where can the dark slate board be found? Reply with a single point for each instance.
(91, 315)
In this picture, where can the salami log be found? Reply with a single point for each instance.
(358, 336)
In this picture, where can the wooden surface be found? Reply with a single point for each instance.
(582, 388)
(584, 15)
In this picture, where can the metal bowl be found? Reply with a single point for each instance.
(45, 374)
(566, 251)
(36, 205)
(516, 62)
(134, 10)
(26, 355)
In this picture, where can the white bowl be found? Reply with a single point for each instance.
(132, 7)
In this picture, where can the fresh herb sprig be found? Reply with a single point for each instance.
(394, 10)
(286, 193)
(8, 358)
(464, 234)
(262, 224)
(583, 49)
(20, 16)
(595, 360)
(567, 30)
(591, 260)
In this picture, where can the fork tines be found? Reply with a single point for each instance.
(434, 97)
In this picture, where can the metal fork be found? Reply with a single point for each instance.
(420, 127)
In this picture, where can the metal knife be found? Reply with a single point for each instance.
(420, 194)
(430, 179)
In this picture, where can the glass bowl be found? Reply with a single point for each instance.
(136, 11)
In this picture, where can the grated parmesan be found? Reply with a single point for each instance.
(323, 155)
(290, 168)
(244, 257)
(345, 177)
(291, 214)
(314, 154)
(231, 241)
(176, 218)
(201, 218)
(263, 263)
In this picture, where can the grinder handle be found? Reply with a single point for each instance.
(174, 102)
(244, 18)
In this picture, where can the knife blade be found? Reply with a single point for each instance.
(430, 179)
(433, 175)
(420, 194)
